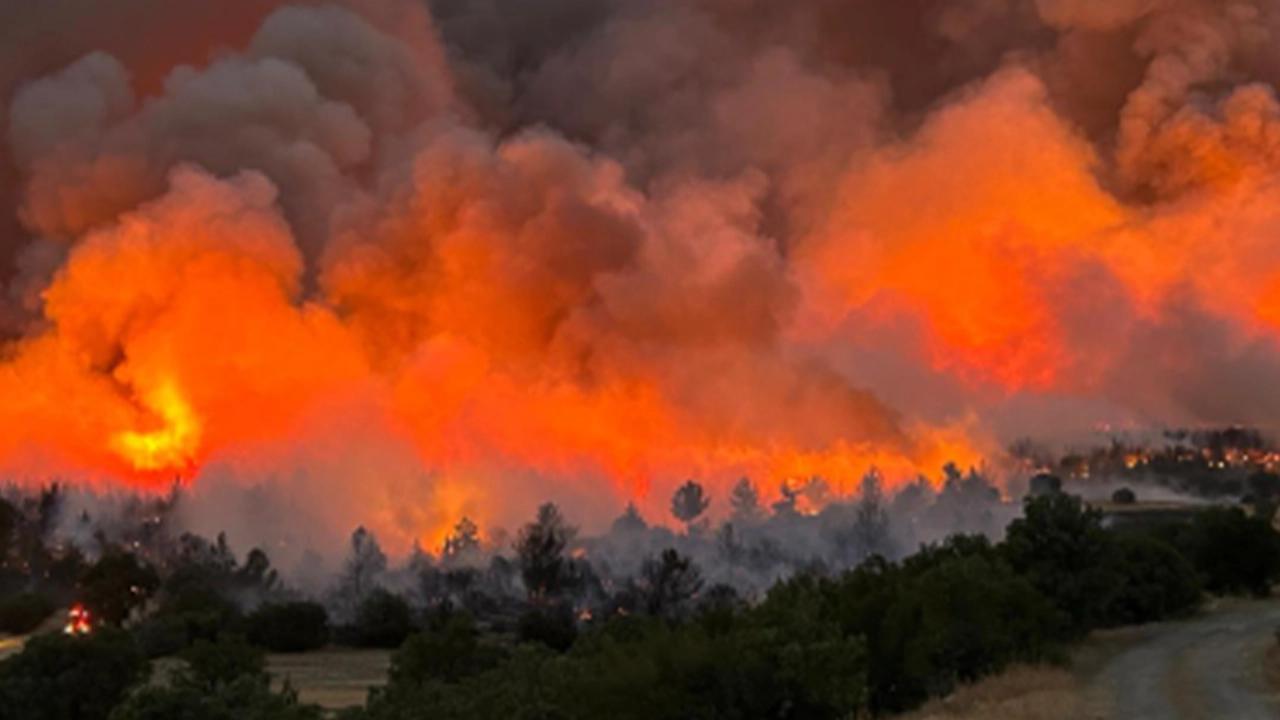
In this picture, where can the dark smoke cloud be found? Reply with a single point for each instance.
(587, 247)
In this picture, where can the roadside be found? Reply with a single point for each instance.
(1222, 663)
(1211, 666)
(1020, 693)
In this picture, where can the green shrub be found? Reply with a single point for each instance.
(1059, 545)
(162, 635)
(116, 585)
(1152, 581)
(1236, 553)
(383, 620)
(555, 626)
(289, 627)
(64, 677)
(222, 680)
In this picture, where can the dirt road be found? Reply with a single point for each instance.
(1207, 668)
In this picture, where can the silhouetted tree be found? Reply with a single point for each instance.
(364, 566)
(788, 498)
(256, 574)
(670, 581)
(462, 546)
(871, 532)
(630, 521)
(383, 620)
(728, 544)
(1124, 496)
(744, 500)
(117, 584)
(688, 503)
(540, 550)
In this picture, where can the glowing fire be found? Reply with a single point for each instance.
(173, 444)
(79, 621)
(351, 287)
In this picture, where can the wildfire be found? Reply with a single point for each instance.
(249, 257)
(173, 444)
(79, 621)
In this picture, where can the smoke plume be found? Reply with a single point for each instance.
(395, 262)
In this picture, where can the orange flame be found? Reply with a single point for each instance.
(173, 444)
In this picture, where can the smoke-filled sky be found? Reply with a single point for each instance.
(397, 261)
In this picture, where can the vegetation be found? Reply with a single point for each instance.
(663, 625)
(222, 680)
(883, 637)
(383, 620)
(23, 612)
(61, 677)
(116, 585)
(1234, 552)
(289, 627)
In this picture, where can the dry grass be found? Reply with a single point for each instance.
(1020, 693)
(1271, 667)
(331, 678)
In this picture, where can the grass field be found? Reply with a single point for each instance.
(331, 678)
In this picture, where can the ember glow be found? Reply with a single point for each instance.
(394, 262)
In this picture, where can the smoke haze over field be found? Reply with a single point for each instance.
(397, 261)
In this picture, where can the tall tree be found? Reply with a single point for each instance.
(670, 582)
(630, 521)
(364, 567)
(688, 503)
(871, 531)
(462, 546)
(116, 585)
(744, 500)
(540, 550)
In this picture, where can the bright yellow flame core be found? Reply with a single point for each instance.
(173, 444)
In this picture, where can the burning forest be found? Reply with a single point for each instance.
(397, 262)
(721, 292)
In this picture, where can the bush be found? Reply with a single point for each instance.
(1153, 581)
(555, 626)
(162, 635)
(222, 680)
(1235, 553)
(115, 585)
(784, 665)
(949, 615)
(383, 620)
(1124, 496)
(200, 611)
(22, 613)
(447, 651)
(64, 677)
(1060, 546)
(289, 627)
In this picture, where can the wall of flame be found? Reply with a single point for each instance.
(415, 260)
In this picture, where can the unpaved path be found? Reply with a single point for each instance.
(1210, 667)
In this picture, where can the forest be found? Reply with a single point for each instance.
(796, 610)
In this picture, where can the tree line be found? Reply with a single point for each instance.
(541, 632)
